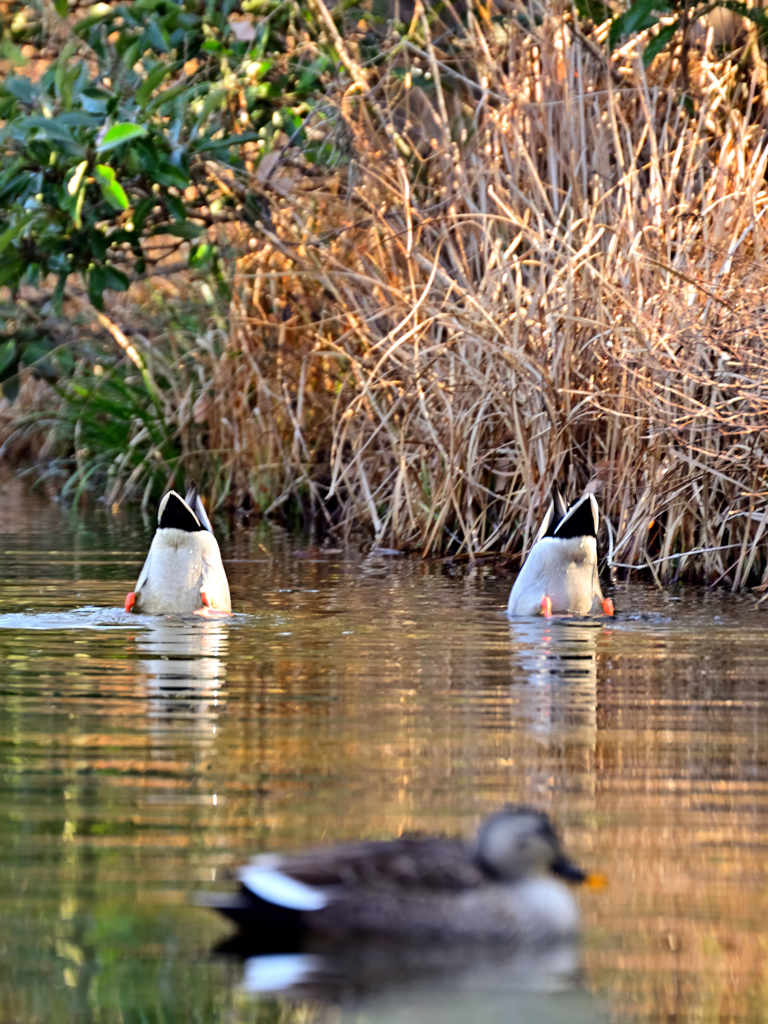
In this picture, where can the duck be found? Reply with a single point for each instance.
(183, 571)
(505, 885)
(560, 576)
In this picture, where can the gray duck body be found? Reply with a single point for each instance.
(505, 886)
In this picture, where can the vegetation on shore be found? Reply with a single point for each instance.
(484, 253)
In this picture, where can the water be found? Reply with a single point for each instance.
(359, 696)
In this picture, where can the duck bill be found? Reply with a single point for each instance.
(567, 869)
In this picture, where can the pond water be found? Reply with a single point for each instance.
(358, 696)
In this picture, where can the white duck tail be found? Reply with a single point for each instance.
(560, 574)
(183, 571)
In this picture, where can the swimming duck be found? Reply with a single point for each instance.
(560, 573)
(183, 570)
(501, 886)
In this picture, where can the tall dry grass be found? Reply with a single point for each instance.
(535, 265)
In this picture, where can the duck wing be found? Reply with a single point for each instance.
(312, 880)
(194, 501)
(560, 504)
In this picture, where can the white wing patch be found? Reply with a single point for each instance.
(279, 972)
(273, 886)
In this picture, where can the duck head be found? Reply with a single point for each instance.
(518, 842)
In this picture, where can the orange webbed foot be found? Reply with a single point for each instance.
(546, 607)
(130, 601)
(608, 606)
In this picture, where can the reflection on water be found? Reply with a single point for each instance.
(185, 671)
(362, 697)
(369, 970)
(556, 660)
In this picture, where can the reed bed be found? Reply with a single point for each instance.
(537, 266)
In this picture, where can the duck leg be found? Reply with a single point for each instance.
(546, 607)
(208, 611)
(130, 601)
(608, 606)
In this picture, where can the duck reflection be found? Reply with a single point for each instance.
(371, 969)
(554, 650)
(557, 660)
(185, 670)
(554, 666)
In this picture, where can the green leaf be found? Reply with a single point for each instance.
(132, 53)
(658, 42)
(20, 87)
(12, 53)
(58, 293)
(48, 128)
(7, 357)
(14, 231)
(177, 208)
(111, 188)
(115, 279)
(77, 119)
(226, 142)
(82, 27)
(633, 19)
(594, 10)
(120, 133)
(168, 96)
(201, 254)
(215, 99)
(152, 5)
(61, 7)
(186, 230)
(142, 211)
(98, 243)
(152, 81)
(168, 175)
(97, 281)
(12, 270)
(157, 37)
(94, 100)
(146, 156)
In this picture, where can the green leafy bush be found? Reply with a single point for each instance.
(677, 15)
(115, 143)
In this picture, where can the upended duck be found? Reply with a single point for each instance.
(183, 571)
(506, 885)
(560, 573)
